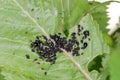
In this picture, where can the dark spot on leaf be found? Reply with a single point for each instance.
(59, 33)
(37, 18)
(89, 39)
(81, 41)
(84, 45)
(32, 50)
(45, 73)
(26, 32)
(27, 56)
(38, 62)
(42, 69)
(66, 32)
(90, 3)
(35, 59)
(83, 37)
(95, 64)
(82, 53)
(32, 9)
(108, 77)
(47, 50)
(86, 33)
(79, 29)
(78, 26)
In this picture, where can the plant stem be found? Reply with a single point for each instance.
(77, 65)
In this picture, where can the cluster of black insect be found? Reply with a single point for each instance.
(47, 49)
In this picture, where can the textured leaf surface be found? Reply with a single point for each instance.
(95, 48)
(69, 13)
(99, 13)
(17, 29)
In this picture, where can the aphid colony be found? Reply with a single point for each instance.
(47, 49)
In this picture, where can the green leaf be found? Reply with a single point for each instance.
(17, 29)
(115, 53)
(114, 65)
(69, 13)
(98, 11)
(97, 45)
(1, 76)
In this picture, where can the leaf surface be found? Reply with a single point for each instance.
(17, 30)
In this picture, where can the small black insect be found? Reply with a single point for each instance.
(27, 56)
(32, 50)
(38, 62)
(81, 28)
(59, 33)
(89, 39)
(37, 37)
(42, 69)
(73, 34)
(35, 59)
(32, 9)
(82, 53)
(84, 45)
(45, 73)
(86, 33)
(37, 18)
(26, 32)
(78, 26)
(47, 50)
(44, 37)
(81, 41)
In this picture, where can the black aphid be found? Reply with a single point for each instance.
(47, 50)
(81, 41)
(26, 32)
(79, 28)
(81, 53)
(59, 33)
(35, 59)
(27, 56)
(45, 73)
(76, 51)
(32, 50)
(37, 18)
(89, 39)
(84, 45)
(38, 62)
(32, 9)
(86, 33)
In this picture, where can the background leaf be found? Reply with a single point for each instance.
(1, 76)
(115, 53)
(99, 13)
